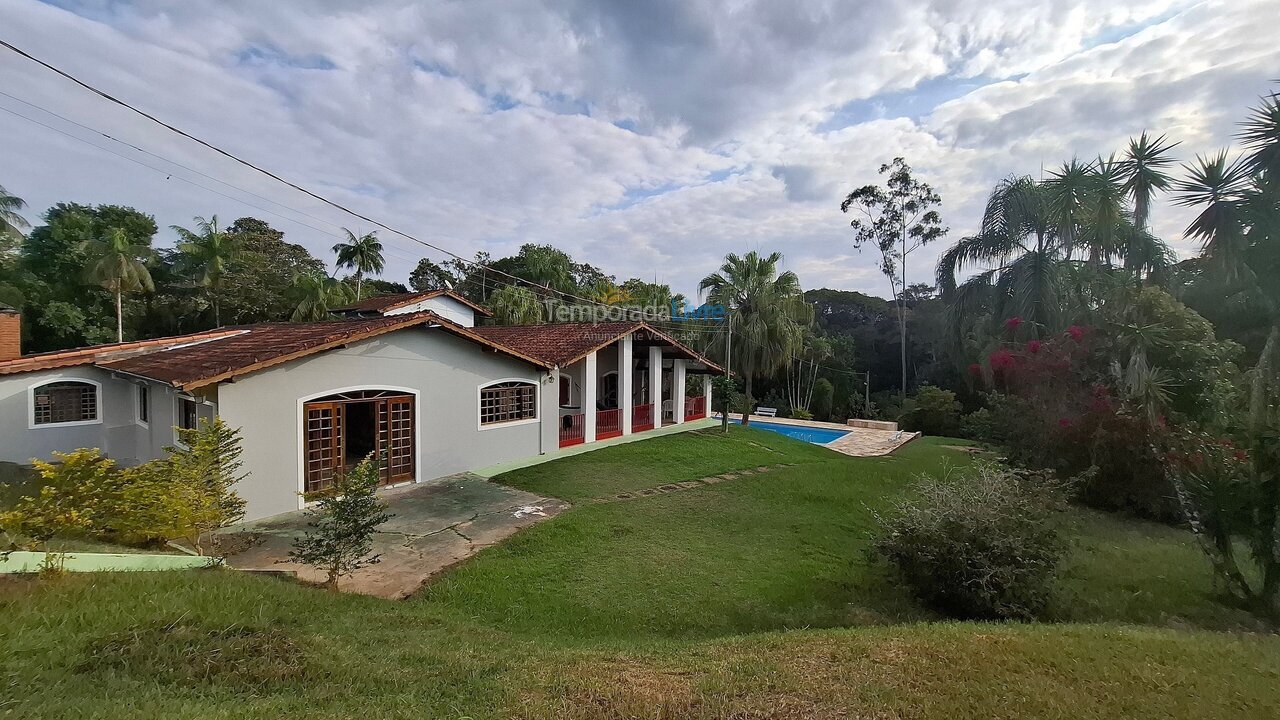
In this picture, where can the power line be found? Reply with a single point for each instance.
(111, 98)
(232, 156)
(175, 163)
(154, 168)
(669, 326)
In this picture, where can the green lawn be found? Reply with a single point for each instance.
(749, 598)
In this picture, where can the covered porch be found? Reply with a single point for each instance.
(641, 381)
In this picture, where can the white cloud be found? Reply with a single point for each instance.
(649, 139)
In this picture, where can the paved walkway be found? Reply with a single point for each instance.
(436, 525)
(690, 484)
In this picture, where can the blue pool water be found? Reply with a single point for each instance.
(818, 436)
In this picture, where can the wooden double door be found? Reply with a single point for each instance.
(341, 430)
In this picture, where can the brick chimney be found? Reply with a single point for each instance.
(10, 334)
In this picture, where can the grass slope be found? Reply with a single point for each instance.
(671, 606)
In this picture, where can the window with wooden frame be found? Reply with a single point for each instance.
(508, 402)
(67, 401)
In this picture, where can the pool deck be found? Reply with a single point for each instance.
(860, 442)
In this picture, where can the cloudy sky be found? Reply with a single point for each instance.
(649, 138)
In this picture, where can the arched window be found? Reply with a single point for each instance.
(508, 401)
(64, 402)
(608, 398)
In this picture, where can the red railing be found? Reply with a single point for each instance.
(695, 407)
(572, 430)
(608, 424)
(641, 418)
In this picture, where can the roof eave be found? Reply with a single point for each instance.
(425, 317)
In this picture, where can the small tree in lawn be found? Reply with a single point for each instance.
(340, 535)
(724, 395)
(898, 220)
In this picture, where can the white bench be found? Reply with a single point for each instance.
(767, 412)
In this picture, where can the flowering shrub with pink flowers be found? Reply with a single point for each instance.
(1067, 401)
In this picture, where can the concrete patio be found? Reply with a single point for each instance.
(436, 525)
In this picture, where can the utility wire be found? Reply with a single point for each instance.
(225, 153)
(117, 101)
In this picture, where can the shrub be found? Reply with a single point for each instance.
(76, 497)
(774, 400)
(339, 538)
(979, 425)
(933, 411)
(187, 495)
(801, 414)
(823, 393)
(978, 546)
(208, 467)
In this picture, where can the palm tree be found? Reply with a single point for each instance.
(1144, 173)
(1069, 191)
(767, 314)
(11, 223)
(117, 264)
(362, 254)
(206, 253)
(1028, 234)
(1215, 186)
(1020, 243)
(315, 294)
(1239, 226)
(1106, 223)
(1260, 132)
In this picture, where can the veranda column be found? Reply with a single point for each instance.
(624, 382)
(655, 384)
(589, 385)
(706, 396)
(677, 390)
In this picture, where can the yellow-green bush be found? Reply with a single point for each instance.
(76, 497)
(186, 495)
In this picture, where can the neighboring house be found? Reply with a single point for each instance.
(446, 304)
(409, 377)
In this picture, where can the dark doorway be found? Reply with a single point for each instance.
(341, 430)
(361, 421)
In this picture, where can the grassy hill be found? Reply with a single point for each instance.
(750, 597)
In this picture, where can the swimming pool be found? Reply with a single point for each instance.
(815, 435)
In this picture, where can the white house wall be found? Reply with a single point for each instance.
(444, 306)
(119, 435)
(446, 372)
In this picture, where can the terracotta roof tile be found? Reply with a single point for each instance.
(96, 353)
(565, 343)
(268, 344)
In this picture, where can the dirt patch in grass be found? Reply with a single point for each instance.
(189, 654)
(629, 689)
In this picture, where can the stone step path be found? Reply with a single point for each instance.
(690, 484)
